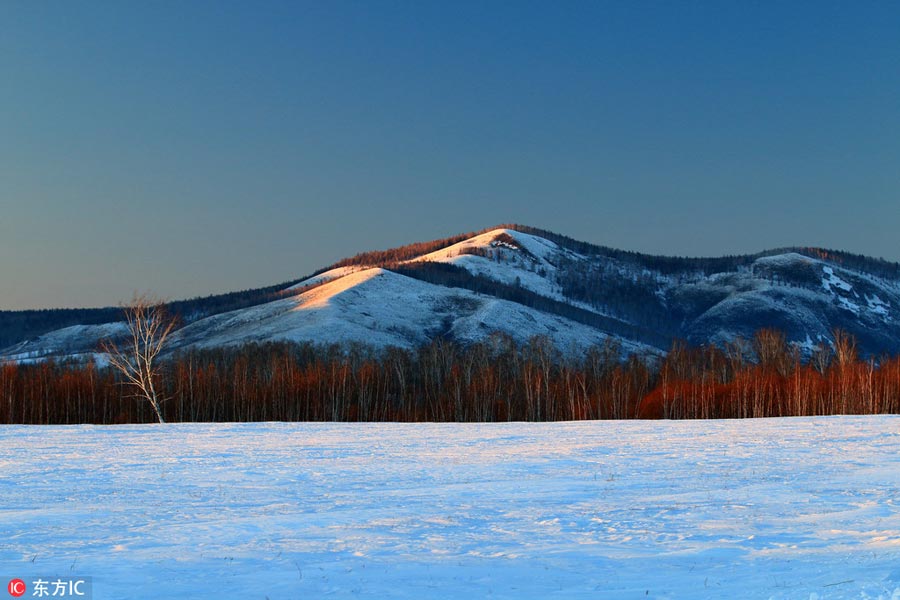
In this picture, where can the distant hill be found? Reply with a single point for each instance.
(524, 282)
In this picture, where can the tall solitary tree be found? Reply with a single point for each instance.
(135, 356)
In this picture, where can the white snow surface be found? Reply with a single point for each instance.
(383, 308)
(830, 280)
(780, 508)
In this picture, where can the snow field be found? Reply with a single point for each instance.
(783, 508)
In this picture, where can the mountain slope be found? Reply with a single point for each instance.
(526, 282)
(383, 308)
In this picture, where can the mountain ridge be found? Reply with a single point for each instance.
(526, 281)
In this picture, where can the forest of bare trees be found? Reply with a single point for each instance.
(492, 381)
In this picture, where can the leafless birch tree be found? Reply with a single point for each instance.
(135, 356)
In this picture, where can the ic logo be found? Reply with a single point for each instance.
(16, 588)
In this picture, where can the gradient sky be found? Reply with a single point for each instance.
(197, 147)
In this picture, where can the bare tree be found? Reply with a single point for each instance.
(845, 351)
(149, 325)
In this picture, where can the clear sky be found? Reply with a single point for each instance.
(197, 147)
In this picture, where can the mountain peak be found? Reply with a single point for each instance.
(523, 282)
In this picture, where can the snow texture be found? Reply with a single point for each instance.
(532, 270)
(878, 306)
(77, 342)
(803, 508)
(383, 308)
(785, 260)
(831, 280)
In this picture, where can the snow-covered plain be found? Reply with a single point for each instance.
(791, 508)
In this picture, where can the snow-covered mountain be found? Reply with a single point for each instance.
(526, 282)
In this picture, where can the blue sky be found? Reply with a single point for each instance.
(197, 147)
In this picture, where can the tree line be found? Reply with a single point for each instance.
(495, 380)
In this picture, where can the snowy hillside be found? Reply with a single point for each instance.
(782, 509)
(77, 341)
(379, 307)
(526, 282)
